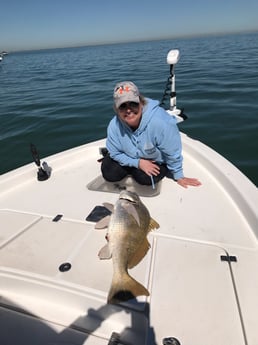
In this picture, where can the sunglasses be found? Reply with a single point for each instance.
(132, 105)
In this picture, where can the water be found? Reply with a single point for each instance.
(58, 99)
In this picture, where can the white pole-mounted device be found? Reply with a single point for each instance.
(172, 59)
(173, 56)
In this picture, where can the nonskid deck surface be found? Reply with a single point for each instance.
(222, 210)
(184, 270)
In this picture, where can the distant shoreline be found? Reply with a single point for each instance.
(186, 36)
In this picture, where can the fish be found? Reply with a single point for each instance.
(127, 244)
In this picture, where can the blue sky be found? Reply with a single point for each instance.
(38, 24)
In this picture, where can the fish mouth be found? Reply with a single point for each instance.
(128, 199)
(129, 196)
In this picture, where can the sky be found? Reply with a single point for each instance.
(40, 24)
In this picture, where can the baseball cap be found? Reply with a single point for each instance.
(126, 91)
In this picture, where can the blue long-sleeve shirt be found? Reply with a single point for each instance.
(157, 138)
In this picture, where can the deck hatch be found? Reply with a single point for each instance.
(199, 284)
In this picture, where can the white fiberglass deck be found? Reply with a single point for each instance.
(195, 295)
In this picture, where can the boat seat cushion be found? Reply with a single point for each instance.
(128, 183)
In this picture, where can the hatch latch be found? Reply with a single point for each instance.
(228, 258)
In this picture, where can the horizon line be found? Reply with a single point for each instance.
(183, 36)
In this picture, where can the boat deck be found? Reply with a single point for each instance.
(201, 270)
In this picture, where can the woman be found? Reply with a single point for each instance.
(142, 140)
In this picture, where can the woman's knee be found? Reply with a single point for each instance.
(111, 170)
(144, 179)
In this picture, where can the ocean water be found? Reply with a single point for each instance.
(61, 98)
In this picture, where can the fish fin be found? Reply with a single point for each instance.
(139, 254)
(109, 206)
(153, 225)
(102, 223)
(105, 253)
(124, 289)
(130, 209)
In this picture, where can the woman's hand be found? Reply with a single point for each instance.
(149, 167)
(187, 181)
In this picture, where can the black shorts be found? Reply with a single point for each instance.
(112, 171)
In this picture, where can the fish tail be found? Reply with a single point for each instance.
(124, 289)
